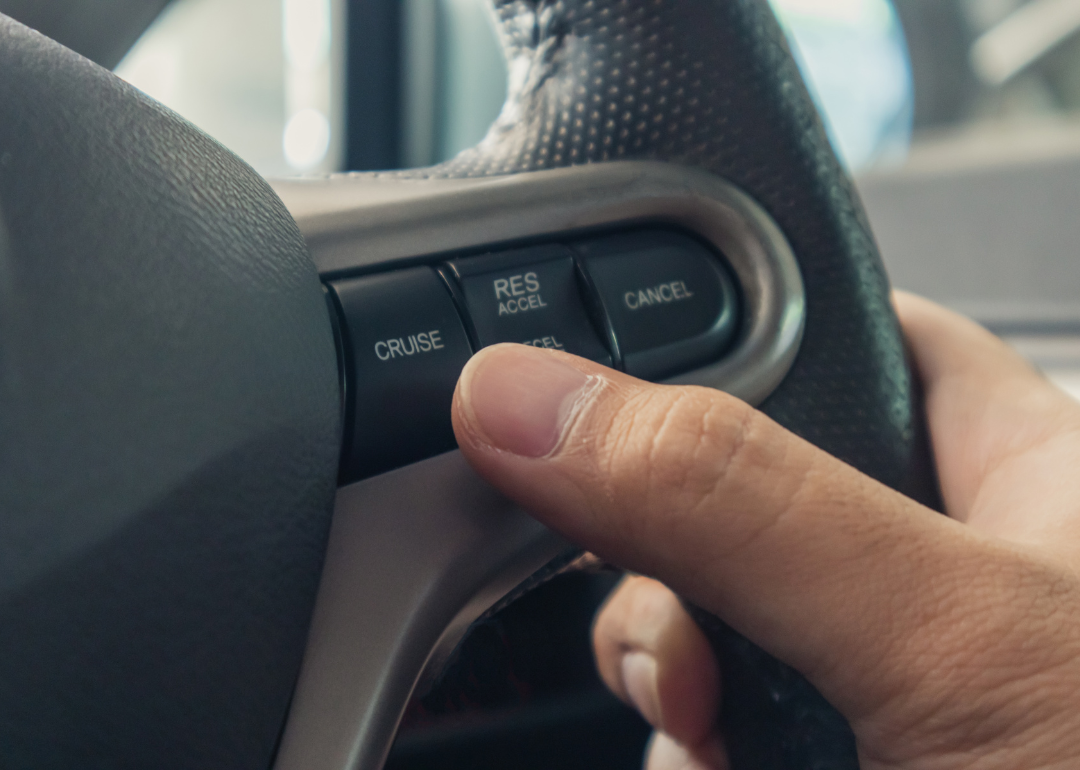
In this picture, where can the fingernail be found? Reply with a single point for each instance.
(639, 679)
(519, 398)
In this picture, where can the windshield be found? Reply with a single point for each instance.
(268, 77)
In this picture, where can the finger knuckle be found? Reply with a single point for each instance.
(672, 448)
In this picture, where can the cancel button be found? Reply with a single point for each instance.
(675, 291)
(671, 301)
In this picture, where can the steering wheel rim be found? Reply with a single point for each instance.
(169, 430)
(708, 84)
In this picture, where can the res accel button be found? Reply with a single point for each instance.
(408, 346)
(529, 296)
(671, 302)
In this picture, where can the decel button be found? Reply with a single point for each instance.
(407, 346)
(529, 296)
(671, 302)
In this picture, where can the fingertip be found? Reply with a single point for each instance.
(640, 681)
(654, 656)
(665, 753)
(517, 399)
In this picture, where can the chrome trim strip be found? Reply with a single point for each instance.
(415, 556)
(366, 222)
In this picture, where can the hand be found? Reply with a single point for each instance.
(948, 642)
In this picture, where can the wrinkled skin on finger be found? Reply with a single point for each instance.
(948, 642)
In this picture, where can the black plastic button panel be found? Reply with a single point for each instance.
(651, 302)
(406, 346)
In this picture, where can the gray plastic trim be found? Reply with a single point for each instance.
(417, 554)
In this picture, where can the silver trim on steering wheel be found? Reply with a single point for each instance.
(368, 222)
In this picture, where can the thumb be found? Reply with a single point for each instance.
(843, 578)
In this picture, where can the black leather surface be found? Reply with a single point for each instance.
(169, 425)
(711, 84)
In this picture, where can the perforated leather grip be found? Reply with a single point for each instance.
(712, 84)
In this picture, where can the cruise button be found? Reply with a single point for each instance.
(530, 296)
(671, 302)
(407, 346)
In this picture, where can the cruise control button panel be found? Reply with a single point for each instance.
(531, 296)
(671, 303)
(407, 346)
(653, 302)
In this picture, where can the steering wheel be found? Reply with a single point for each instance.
(230, 536)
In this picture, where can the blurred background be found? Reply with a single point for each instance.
(300, 86)
(270, 77)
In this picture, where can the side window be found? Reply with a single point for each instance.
(266, 77)
(258, 75)
(855, 61)
(994, 63)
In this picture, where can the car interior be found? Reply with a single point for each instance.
(247, 246)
